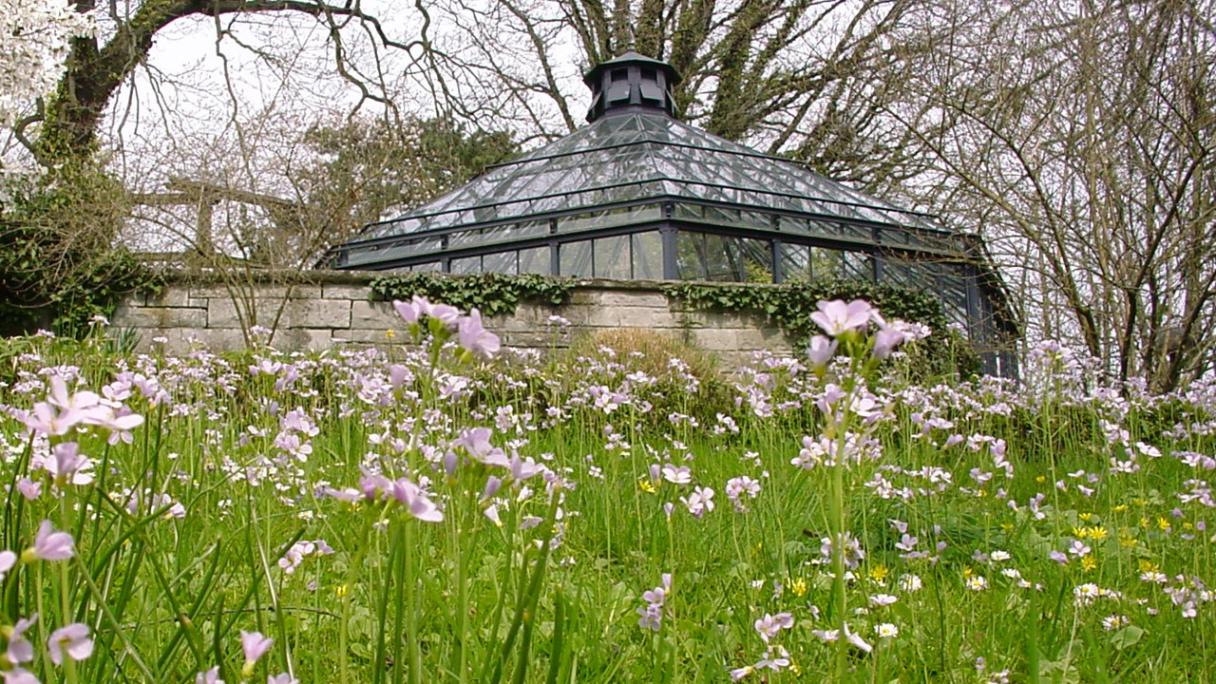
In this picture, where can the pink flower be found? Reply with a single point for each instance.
(7, 560)
(211, 676)
(476, 338)
(837, 318)
(50, 545)
(821, 350)
(416, 501)
(255, 645)
(73, 640)
(282, 678)
(20, 650)
(771, 625)
(409, 311)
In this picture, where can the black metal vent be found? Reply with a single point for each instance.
(630, 81)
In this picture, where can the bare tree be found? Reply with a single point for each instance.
(1079, 139)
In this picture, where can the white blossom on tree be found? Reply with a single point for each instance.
(34, 40)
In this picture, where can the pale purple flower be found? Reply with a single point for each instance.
(410, 311)
(737, 487)
(29, 489)
(255, 645)
(477, 443)
(19, 676)
(7, 560)
(821, 350)
(475, 338)
(50, 545)
(73, 640)
(770, 625)
(282, 678)
(20, 650)
(416, 501)
(211, 676)
(836, 317)
(674, 474)
(699, 502)
(887, 339)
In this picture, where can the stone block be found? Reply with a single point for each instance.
(378, 316)
(302, 313)
(356, 293)
(159, 317)
(714, 339)
(643, 298)
(303, 339)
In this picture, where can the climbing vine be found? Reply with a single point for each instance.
(492, 293)
(789, 306)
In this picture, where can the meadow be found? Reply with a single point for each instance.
(446, 511)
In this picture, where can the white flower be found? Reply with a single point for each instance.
(886, 631)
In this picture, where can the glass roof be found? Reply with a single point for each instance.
(635, 154)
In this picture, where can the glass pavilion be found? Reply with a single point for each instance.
(638, 194)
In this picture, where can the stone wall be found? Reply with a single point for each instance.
(326, 309)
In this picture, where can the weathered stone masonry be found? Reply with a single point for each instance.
(326, 309)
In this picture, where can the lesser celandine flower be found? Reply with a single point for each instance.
(72, 640)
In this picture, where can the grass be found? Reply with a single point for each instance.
(959, 498)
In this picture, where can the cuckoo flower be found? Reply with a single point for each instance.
(72, 640)
(837, 318)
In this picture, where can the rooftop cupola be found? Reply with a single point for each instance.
(630, 81)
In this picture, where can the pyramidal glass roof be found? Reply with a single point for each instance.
(637, 155)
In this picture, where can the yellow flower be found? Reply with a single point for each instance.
(1144, 522)
(1140, 501)
(1006, 526)
(390, 334)
(798, 586)
(341, 590)
(967, 572)
(1187, 525)
(1088, 563)
(646, 486)
(878, 573)
(1097, 532)
(1041, 479)
(1080, 532)
(794, 668)
(1147, 565)
(1086, 517)
(1120, 508)
(1163, 524)
(1127, 541)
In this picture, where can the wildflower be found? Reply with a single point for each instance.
(7, 560)
(283, 678)
(820, 351)
(73, 640)
(886, 631)
(211, 676)
(416, 501)
(475, 338)
(878, 573)
(1078, 548)
(910, 583)
(680, 475)
(1113, 622)
(770, 625)
(410, 311)
(651, 615)
(699, 502)
(976, 583)
(19, 650)
(49, 545)
(737, 487)
(882, 600)
(837, 318)
(255, 645)
(798, 587)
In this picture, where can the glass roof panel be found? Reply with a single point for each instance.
(637, 155)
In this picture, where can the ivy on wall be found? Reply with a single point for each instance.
(492, 293)
(789, 306)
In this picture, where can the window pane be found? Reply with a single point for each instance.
(718, 263)
(499, 262)
(428, 266)
(795, 263)
(690, 262)
(858, 266)
(752, 259)
(535, 260)
(467, 265)
(825, 263)
(575, 258)
(612, 257)
(648, 256)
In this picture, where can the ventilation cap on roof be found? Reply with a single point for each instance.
(631, 80)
